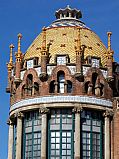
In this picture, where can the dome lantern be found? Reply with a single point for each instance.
(68, 13)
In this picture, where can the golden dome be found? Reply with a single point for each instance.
(62, 35)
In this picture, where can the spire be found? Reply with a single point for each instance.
(19, 43)
(79, 40)
(44, 40)
(78, 47)
(11, 54)
(109, 50)
(109, 40)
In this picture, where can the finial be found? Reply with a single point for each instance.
(44, 38)
(68, 6)
(109, 40)
(78, 47)
(11, 51)
(19, 42)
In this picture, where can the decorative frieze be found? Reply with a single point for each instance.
(64, 99)
(19, 115)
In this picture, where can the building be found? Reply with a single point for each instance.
(64, 94)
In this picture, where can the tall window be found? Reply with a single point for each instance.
(61, 80)
(32, 136)
(91, 135)
(61, 134)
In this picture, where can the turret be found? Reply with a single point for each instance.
(9, 68)
(44, 56)
(79, 52)
(110, 53)
(19, 57)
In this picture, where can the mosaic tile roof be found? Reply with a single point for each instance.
(62, 34)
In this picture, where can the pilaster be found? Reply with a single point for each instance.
(44, 111)
(10, 139)
(19, 116)
(77, 111)
(107, 150)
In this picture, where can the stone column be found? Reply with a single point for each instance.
(107, 149)
(10, 139)
(19, 135)
(44, 111)
(77, 111)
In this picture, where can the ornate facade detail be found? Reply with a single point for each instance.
(77, 109)
(108, 113)
(44, 110)
(10, 122)
(19, 115)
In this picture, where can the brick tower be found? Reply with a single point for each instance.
(64, 94)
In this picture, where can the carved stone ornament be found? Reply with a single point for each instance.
(77, 109)
(9, 122)
(44, 110)
(108, 113)
(19, 115)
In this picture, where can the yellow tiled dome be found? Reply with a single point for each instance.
(63, 34)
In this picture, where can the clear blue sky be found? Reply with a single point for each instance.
(28, 17)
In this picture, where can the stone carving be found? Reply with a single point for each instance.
(108, 113)
(44, 110)
(19, 115)
(9, 122)
(77, 109)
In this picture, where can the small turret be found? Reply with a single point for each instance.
(9, 67)
(78, 50)
(44, 56)
(110, 53)
(19, 57)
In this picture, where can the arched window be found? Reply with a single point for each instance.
(61, 80)
(94, 78)
(36, 88)
(69, 86)
(29, 80)
(52, 87)
(29, 84)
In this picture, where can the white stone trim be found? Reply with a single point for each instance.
(62, 99)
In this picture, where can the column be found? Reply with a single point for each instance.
(19, 135)
(10, 139)
(77, 111)
(107, 149)
(44, 111)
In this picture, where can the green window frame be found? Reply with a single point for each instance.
(32, 135)
(61, 134)
(92, 136)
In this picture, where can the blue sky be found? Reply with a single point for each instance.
(28, 17)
